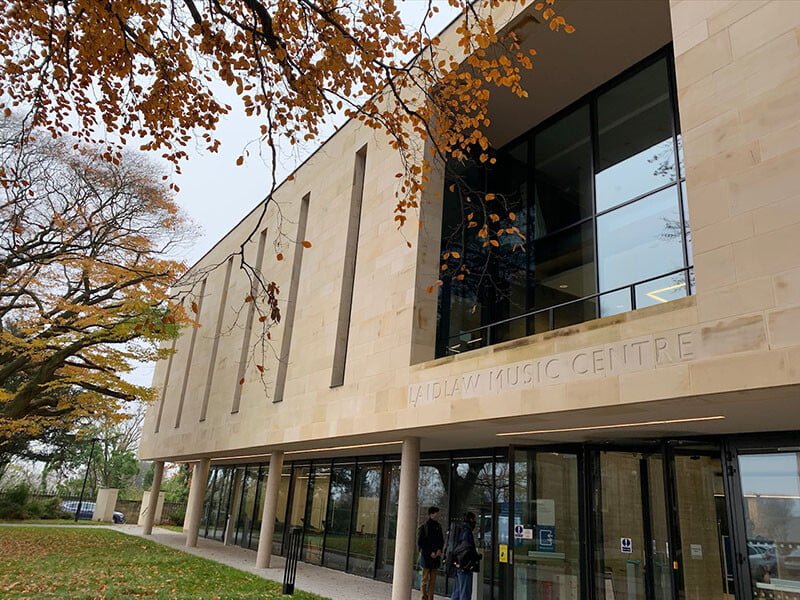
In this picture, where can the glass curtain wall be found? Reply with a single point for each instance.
(244, 523)
(547, 534)
(217, 503)
(434, 490)
(770, 485)
(297, 499)
(340, 509)
(280, 512)
(387, 533)
(472, 487)
(258, 508)
(364, 526)
(597, 193)
(316, 514)
(618, 531)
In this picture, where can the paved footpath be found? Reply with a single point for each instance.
(328, 583)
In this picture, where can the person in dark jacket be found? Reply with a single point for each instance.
(465, 559)
(430, 541)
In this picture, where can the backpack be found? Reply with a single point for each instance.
(451, 542)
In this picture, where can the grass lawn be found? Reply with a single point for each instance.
(55, 522)
(178, 528)
(40, 562)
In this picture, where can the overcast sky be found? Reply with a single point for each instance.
(217, 194)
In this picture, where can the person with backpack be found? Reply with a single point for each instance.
(430, 541)
(462, 557)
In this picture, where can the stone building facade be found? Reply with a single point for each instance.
(620, 407)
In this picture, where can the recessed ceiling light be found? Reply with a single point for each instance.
(563, 286)
(615, 426)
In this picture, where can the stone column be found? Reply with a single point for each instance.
(405, 544)
(197, 494)
(270, 509)
(188, 515)
(152, 501)
(105, 504)
(236, 506)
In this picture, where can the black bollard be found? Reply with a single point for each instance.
(292, 554)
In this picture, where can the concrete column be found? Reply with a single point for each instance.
(145, 507)
(152, 501)
(188, 515)
(236, 501)
(270, 509)
(197, 493)
(406, 542)
(105, 504)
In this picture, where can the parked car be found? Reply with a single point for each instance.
(763, 559)
(791, 562)
(87, 510)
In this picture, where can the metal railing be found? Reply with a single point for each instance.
(489, 334)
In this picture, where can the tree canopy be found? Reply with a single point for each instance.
(85, 276)
(146, 71)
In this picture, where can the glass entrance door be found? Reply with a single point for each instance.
(706, 560)
(546, 527)
(631, 553)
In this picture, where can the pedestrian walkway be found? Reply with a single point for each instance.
(328, 583)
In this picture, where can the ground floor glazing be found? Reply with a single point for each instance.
(710, 519)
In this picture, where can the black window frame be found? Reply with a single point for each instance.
(487, 297)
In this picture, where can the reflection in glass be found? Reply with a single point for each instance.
(219, 503)
(340, 505)
(248, 497)
(659, 536)
(661, 290)
(205, 519)
(434, 485)
(316, 508)
(472, 491)
(388, 526)
(562, 268)
(364, 531)
(280, 512)
(297, 511)
(546, 503)
(636, 152)
(562, 173)
(639, 240)
(507, 293)
(258, 511)
(771, 487)
(620, 517)
(615, 303)
(705, 539)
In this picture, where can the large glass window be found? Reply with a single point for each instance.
(316, 509)
(635, 146)
(280, 512)
(244, 523)
(548, 551)
(340, 508)
(473, 491)
(562, 173)
(597, 194)
(771, 488)
(434, 489)
(388, 524)
(364, 533)
(258, 510)
(299, 489)
(217, 503)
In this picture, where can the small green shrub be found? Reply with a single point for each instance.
(17, 503)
